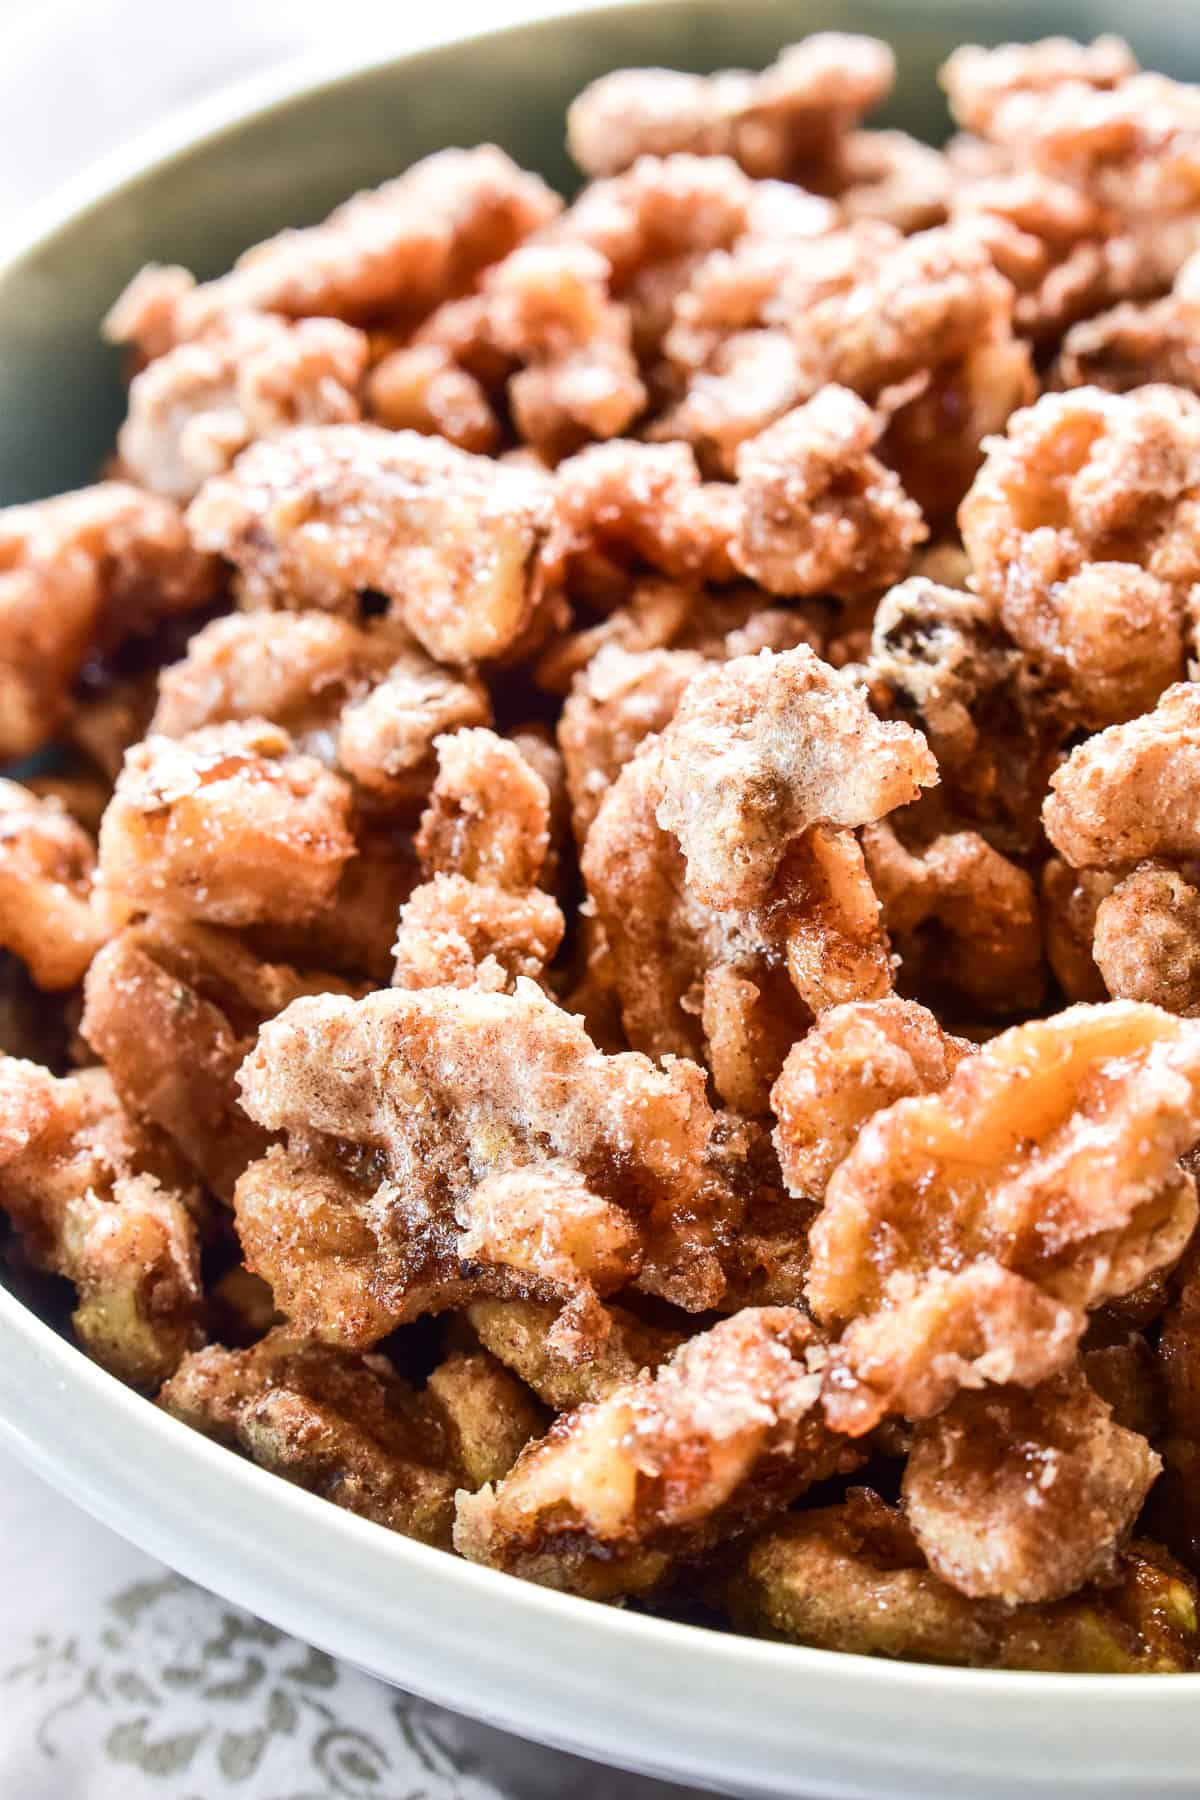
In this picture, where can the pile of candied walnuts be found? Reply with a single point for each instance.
(620, 868)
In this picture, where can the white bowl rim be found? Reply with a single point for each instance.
(227, 1467)
(1107, 1709)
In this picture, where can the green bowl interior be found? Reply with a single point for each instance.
(60, 392)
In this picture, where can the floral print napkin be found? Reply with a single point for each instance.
(122, 1681)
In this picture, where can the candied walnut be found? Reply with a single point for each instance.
(48, 914)
(345, 1427)
(296, 670)
(625, 505)
(173, 1009)
(715, 623)
(1066, 254)
(851, 1577)
(819, 513)
(548, 307)
(1131, 145)
(229, 824)
(488, 817)
(104, 1203)
(387, 740)
(820, 931)
(891, 176)
(777, 123)
(762, 748)
(1079, 527)
(767, 326)
(518, 1334)
(1147, 940)
(1117, 633)
(665, 1467)
(1024, 1497)
(654, 616)
(404, 246)
(419, 387)
(743, 1242)
(940, 1332)
(660, 210)
(966, 1231)
(662, 944)
(962, 916)
(1070, 900)
(987, 87)
(856, 1060)
(368, 701)
(654, 937)
(536, 742)
(144, 313)
(941, 654)
(399, 1107)
(1132, 345)
(729, 346)
(82, 571)
(618, 700)
(317, 517)
(249, 376)
(459, 933)
(1128, 794)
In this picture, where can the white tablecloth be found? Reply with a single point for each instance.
(118, 1680)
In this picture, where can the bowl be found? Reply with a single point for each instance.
(735, 1715)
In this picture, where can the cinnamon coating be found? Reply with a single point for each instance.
(1026, 1496)
(401, 1108)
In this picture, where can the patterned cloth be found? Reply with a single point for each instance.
(121, 1681)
